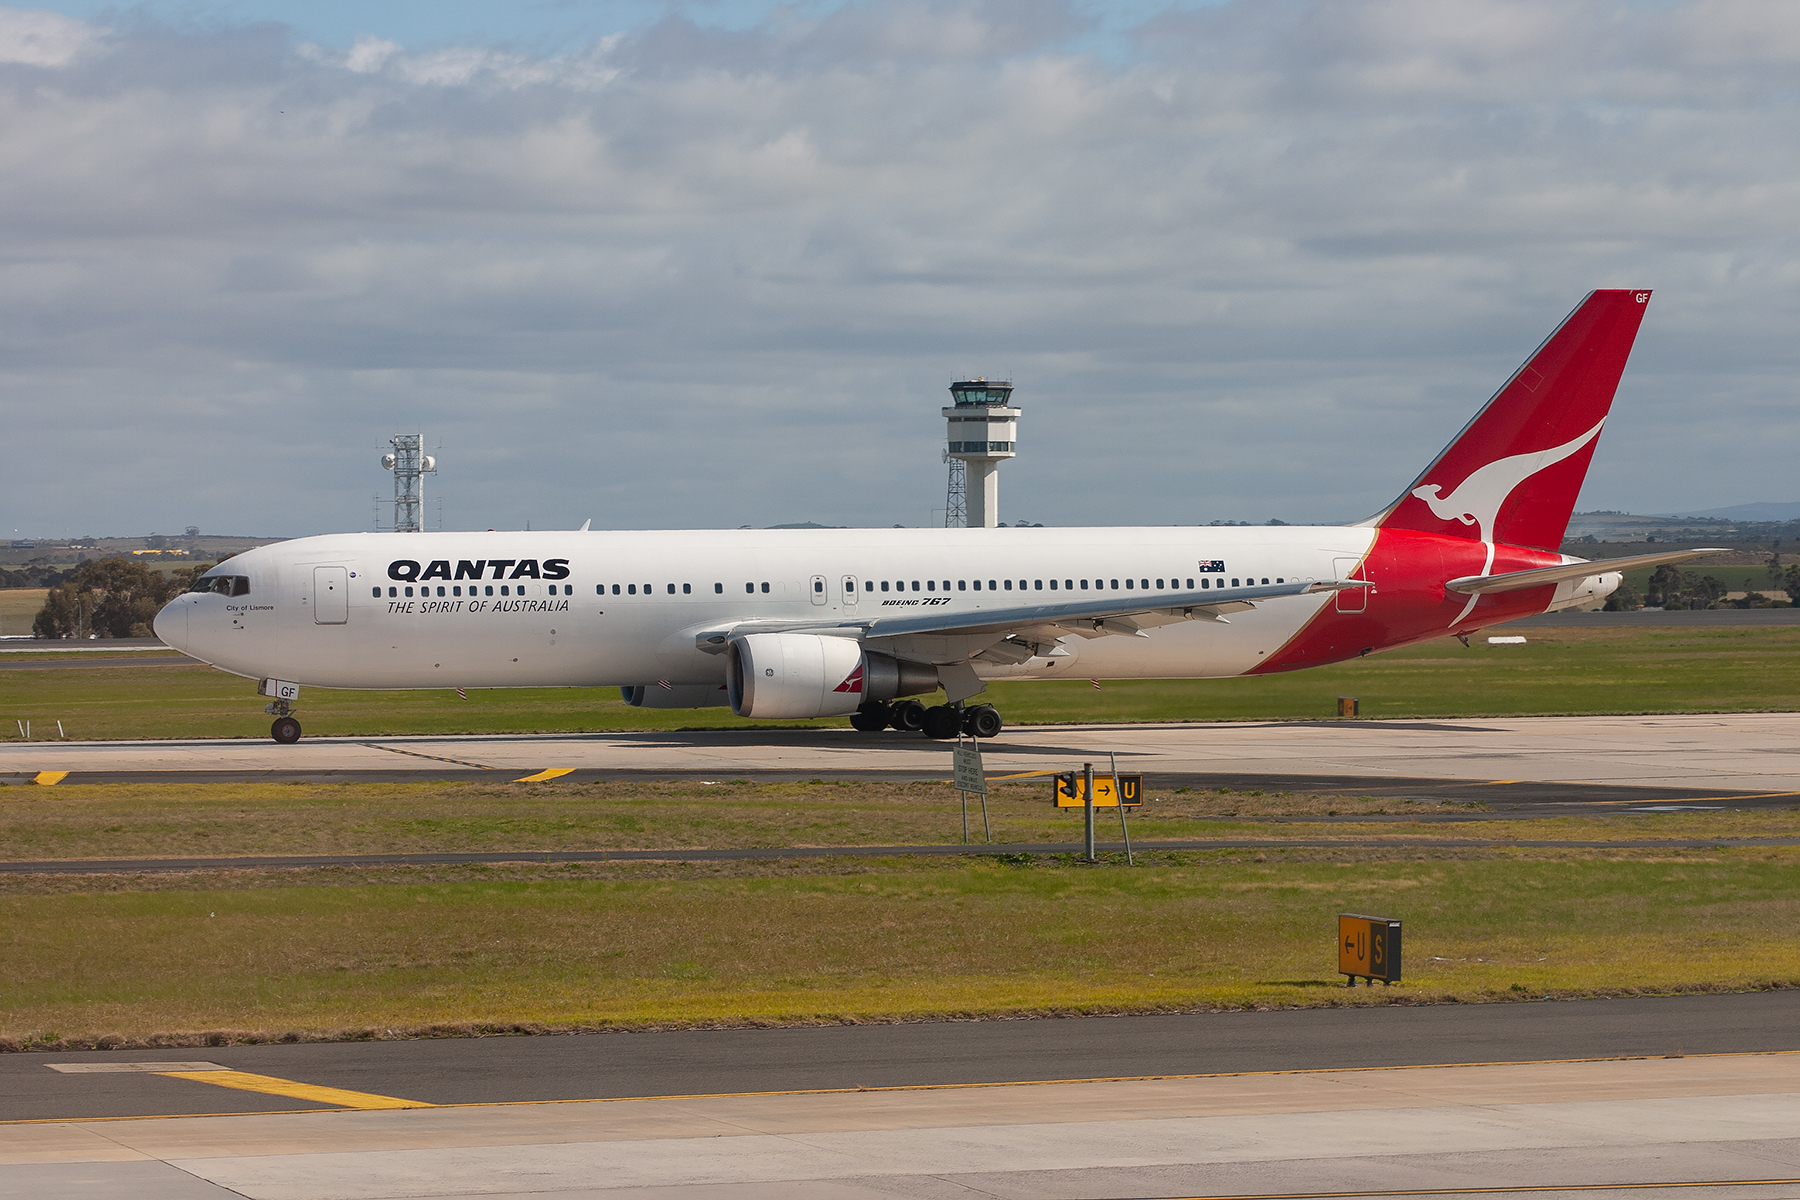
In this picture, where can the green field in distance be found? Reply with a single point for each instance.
(1655, 669)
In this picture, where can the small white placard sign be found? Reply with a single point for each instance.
(969, 777)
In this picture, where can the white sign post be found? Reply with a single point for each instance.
(969, 778)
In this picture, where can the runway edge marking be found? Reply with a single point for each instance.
(937, 1087)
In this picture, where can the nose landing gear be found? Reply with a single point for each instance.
(285, 730)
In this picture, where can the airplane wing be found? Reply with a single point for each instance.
(1123, 614)
(1513, 581)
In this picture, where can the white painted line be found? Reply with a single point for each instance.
(106, 1068)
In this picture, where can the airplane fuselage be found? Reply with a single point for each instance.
(611, 608)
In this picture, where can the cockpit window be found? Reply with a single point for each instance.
(224, 585)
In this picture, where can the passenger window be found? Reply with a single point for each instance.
(962, 585)
(749, 589)
(1069, 585)
(978, 585)
(819, 586)
(615, 590)
(1039, 588)
(1205, 583)
(378, 593)
(489, 589)
(765, 589)
(1009, 588)
(718, 589)
(1234, 583)
(1084, 588)
(687, 589)
(409, 592)
(1053, 585)
(992, 585)
(884, 587)
(1144, 583)
(440, 589)
(647, 590)
(1115, 585)
(1279, 579)
(671, 589)
(503, 589)
(1265, 579)
(393, 591)
(633, 590)
(868, 585)
(1127, 588)
(599, 589)
(1190, 585)
(915, 585)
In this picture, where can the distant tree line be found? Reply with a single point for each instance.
(34, 575)
(110, 598)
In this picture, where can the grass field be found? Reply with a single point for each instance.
(178, 820)
(1646, 669)
(310, 954)
(18, 608)
(184, 958)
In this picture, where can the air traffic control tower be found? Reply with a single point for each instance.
(983, 428)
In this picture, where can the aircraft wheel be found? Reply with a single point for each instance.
(982, 721)
(285, 730)
(942, 722)
(872, 717)
(908, 715)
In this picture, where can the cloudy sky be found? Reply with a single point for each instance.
(715, 264)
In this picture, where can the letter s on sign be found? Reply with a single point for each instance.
(556, 568)
(405, 570)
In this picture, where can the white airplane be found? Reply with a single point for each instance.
(815, 623)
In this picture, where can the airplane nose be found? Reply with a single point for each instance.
(171, 624)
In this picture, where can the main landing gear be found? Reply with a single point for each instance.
(941, 721)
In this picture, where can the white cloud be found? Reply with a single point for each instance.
(42, 39)
(695, 276)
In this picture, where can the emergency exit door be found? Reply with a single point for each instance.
(331, 595)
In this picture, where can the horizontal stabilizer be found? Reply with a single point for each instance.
(1515, 581)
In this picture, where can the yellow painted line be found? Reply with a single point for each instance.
(1502, 1191)
(1021, 775)
(391, 1102)
(49, 777)
(551, 773)
(243, 1081)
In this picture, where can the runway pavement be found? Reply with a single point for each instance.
(1315, 1101)
(1671, 757)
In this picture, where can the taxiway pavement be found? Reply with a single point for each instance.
(1694, 755)
(1317, 1101)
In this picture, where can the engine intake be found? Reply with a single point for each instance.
(799, 675)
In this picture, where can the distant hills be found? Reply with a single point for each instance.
(1765, 511)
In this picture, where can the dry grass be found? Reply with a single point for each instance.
(213, 820)
(18, 608)
(658, 945)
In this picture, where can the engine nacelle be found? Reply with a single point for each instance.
(799, 675)
(682, 695)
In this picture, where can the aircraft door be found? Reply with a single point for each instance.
(1350, 600)
(331, 596)
(817, 590)
(850, 592)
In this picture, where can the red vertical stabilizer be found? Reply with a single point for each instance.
(1513, 473)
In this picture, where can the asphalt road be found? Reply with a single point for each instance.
(710, 1062)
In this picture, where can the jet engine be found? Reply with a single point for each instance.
(787, 675)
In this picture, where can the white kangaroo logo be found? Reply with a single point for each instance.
(1477, 499)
